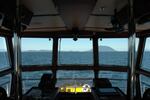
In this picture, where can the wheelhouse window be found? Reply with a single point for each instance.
(66, 78)
(117, 79)
(144, 80)
(32, 79)
(145, 83)
(36, 51)
(146, 56)
(113, 51)
(5, 82)
(75, 52)
(4, 61)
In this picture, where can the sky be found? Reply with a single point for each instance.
(70, 45)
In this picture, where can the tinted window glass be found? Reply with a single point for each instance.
(145, 83)
(74, 77)
(31, 79)
(36, 51)
(118, 79)
(146, 56)
(4, 62)
(5, 82)
(113, 51)
(75, 52)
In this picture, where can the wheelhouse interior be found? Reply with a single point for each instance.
(81, 23)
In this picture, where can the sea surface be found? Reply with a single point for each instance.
(30, 79)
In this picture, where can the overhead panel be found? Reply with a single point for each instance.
(100, 21)
(100, 18)
(40, 7)
(46, 16)
(46, 22)
(75, 13)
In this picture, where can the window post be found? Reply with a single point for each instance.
(55, 56)
(95, 56)
(131, 53)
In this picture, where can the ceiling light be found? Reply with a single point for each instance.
(101, 9)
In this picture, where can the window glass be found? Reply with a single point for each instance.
(113, 51)
(145, 83)
(74, 77)
(36, 51)
(4, 62)
(146, 56)
(5, 82)
(117, 79)
(75, 52)
(32, 79)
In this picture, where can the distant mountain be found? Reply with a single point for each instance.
(36, 51)
(101, 49)
(106, 49)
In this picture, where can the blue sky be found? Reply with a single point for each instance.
(70, 45)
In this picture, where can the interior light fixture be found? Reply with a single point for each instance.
(75, 38)
(75, 31)
(101, 9)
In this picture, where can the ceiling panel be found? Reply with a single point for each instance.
(99, 21)
(75, 12)
(47, 21)
(107, 6)
(40, 6)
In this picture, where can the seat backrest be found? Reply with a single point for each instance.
(47, 82)
(146, 95)
(102, 83)
(3, 94)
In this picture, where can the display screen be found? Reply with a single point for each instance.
(75, 88)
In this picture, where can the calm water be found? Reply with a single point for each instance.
(40, 58)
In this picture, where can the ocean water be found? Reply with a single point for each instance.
(65, 77)
(111, 58)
